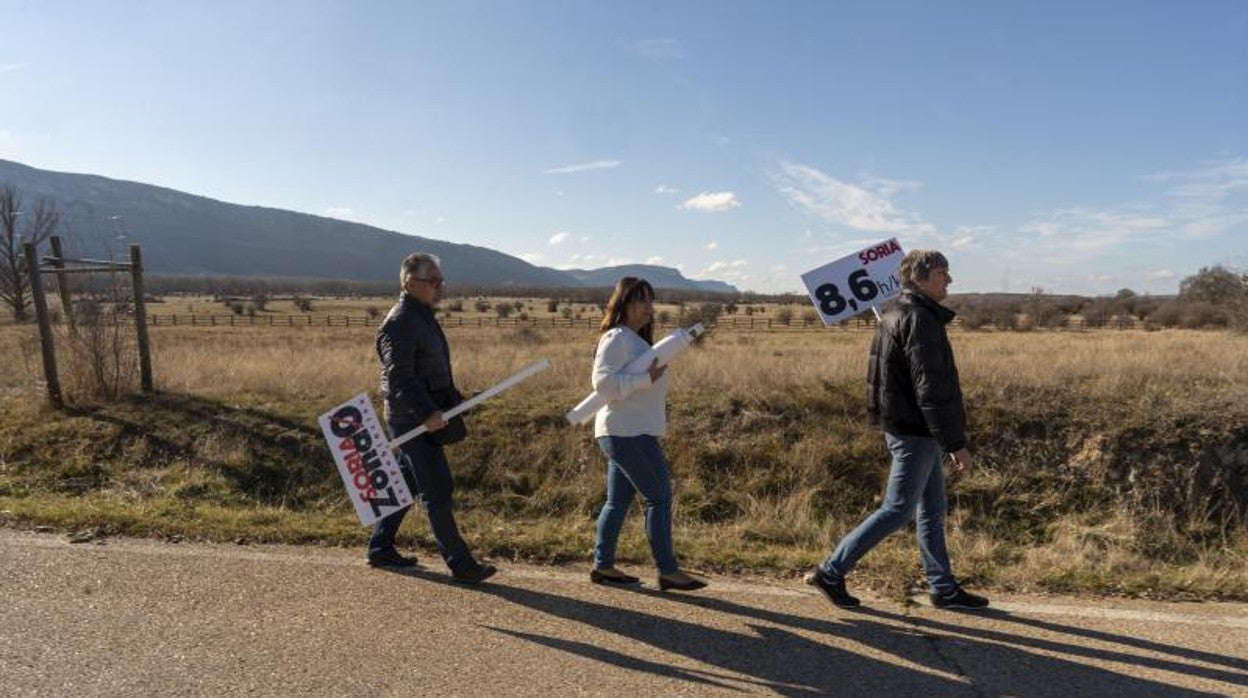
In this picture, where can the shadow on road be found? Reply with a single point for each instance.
(790, 654)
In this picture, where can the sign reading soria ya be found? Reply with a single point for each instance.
(365, 461)
(856, 282)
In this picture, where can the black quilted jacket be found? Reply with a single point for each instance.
(912, 381)
(416, 376)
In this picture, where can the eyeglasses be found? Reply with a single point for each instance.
(436, 282)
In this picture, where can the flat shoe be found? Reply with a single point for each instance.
(391, 558)
(597, 577)
(691, 585)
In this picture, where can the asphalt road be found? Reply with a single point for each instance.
(135, 617)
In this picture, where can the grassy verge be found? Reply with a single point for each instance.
(1140, 496)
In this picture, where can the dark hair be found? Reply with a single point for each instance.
(627, 290)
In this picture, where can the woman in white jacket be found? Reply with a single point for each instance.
(628, 431)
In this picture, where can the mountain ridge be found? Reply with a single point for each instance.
(195, 235)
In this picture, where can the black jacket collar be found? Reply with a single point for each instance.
(942, 313)
(412, 303)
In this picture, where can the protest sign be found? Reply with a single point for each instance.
(856, 282)
(365, 462)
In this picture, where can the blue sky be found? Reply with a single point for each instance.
(1078, 147)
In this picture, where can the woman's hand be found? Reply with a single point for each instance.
(656, 370)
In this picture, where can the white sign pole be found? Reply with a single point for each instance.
(509, 382)
(856, 282)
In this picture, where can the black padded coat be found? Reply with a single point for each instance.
(912, 381)
(416, 376)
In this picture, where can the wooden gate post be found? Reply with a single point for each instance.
(140, 318)
(45, 326)
(62, 279)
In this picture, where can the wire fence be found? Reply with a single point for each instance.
(343, 320)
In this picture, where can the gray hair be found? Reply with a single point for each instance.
(417, 264)
(918, 265)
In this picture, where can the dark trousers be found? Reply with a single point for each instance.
(428, 476)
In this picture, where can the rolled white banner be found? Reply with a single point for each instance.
(521, 375)
(665, 350)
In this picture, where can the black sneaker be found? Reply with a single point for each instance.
(474, 574)
(832, 587)
(959, 598)
(390, 558)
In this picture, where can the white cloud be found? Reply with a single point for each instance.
(712, 202)
(560, 238)
(532, 257)
(659, 49)
(1071, 235)
(664, 189)
(654, 260)
(712, 245)
(725, 265)
(967, 236)
(1162, 274)
(1209, 200)
(866, 206)
(440, 220)
(10, 67)
(343, 212)
(585, 167)
(735, 270)
(888, 188)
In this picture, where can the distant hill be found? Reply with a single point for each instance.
(185, 234)
(659, 277)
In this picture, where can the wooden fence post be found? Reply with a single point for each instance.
(140, 319)
(62, 279)
(45, 327)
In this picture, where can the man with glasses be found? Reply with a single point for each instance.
(417, 385)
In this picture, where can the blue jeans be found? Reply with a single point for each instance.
(636, 464)
(428, 476)
(916, 486)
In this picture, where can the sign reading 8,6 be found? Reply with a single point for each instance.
(861, 287)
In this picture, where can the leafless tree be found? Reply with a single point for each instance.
(16, 227)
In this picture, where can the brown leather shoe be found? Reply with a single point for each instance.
(691, 584)
(613, 577)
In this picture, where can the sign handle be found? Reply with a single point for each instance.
(510, 381)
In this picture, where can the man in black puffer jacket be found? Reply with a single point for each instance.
(914, 395)
(417, 385)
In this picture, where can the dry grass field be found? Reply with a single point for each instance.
(1108, 461)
